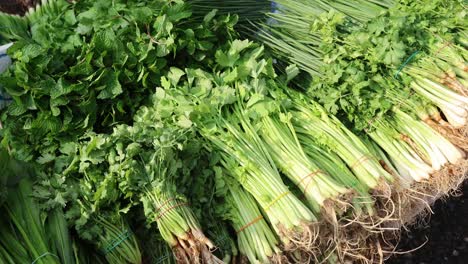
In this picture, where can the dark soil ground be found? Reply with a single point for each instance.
(444, 236)
(18, 7)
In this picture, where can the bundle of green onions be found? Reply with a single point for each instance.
(245, 155)
(251, 12)
(312, 120)
(255, 238)
(24, 239)
(348, 52)
(323, 193)
(117, 242)
(441, 78)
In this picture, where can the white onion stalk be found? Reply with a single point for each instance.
(455, 120)
(452, 109)
(418, 170)
(399, 151)
(312, 120)
(244, 154)
(443, 92)
(439, 150)
(418, 163)
(437, 158)
(282, 142)
(403, 171)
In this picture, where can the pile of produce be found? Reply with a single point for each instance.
(228, 131)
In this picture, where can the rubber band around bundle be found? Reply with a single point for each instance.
(169, 209)
(255, 220)
(361, 160)
(260, 217)
(447, 43)
(411, 93)
(310, 175)
(166, 202)
(116, 242)
(371, 122)
(44, 255)
(408, 60)
(305, 188)
(276, 200)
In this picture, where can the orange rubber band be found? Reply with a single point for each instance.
(258, 218)
(310, 175)
(447, 43)
(169, 209)
(361, 160)
(370, 123)
(164, 204)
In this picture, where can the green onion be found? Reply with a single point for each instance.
(246, 156)
(117, 242)
(59, 236)
(255, 239)
(26, 220)
(312, 120)
(283, 145)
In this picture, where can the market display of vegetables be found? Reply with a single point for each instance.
(156, 131)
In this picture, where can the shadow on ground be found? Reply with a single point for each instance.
(445, 235)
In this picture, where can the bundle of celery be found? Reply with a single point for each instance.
(140, 164)
(290, 218)
(176, 222)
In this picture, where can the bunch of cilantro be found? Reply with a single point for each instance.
(362, 62)
(134, 166)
